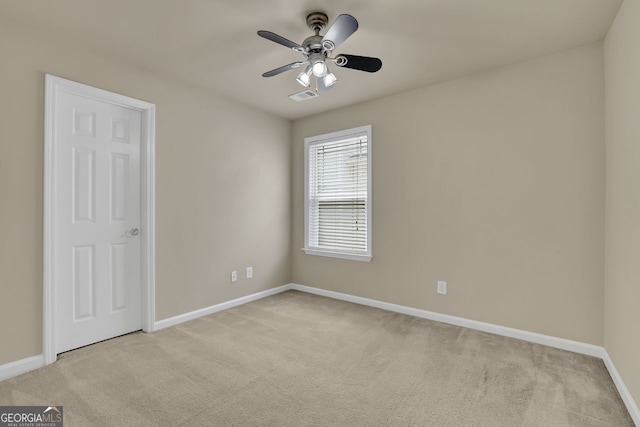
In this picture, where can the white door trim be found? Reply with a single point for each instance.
(54, 85)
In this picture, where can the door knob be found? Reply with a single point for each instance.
(133, 232)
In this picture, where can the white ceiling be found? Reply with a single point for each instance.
(212, 44)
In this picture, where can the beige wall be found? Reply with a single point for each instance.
(493, 182)
(223, 195)
(622, 284)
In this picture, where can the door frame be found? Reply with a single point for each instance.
(53, 86)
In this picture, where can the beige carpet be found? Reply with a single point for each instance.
(296, 359)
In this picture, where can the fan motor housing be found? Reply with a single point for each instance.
(313, 43)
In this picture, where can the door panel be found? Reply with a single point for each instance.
(119, 184)
(84, 282)
(97, 260)
(83, 197)
(118, 276)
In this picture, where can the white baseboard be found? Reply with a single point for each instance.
(18, 367)
(31, 363)
(171, 321)
(632, 407)
(560, 343)
(22, 366)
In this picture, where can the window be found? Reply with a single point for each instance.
(338, 194)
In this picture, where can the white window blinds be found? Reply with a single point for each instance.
(338, 193)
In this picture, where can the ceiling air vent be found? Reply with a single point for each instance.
(303, 96)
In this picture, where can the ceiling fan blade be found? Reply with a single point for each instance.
(362, 63)
(280, 40)
(340, 30)
(282, 69)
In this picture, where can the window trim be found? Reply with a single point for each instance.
(328, 137)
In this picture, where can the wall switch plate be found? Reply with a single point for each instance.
(442, 287)
(234, 276)
(249, 272)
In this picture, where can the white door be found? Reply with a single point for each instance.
(97, 254)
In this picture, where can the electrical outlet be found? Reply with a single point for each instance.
(442, 287)
(234, 276)
(249, 272)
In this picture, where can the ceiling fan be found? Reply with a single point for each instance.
(317, 51)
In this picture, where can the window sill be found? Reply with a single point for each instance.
(342, 255)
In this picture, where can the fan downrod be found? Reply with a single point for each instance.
(317, 21)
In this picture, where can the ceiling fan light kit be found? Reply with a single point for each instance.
(329, 80)
(304, 78)
(317, 51)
